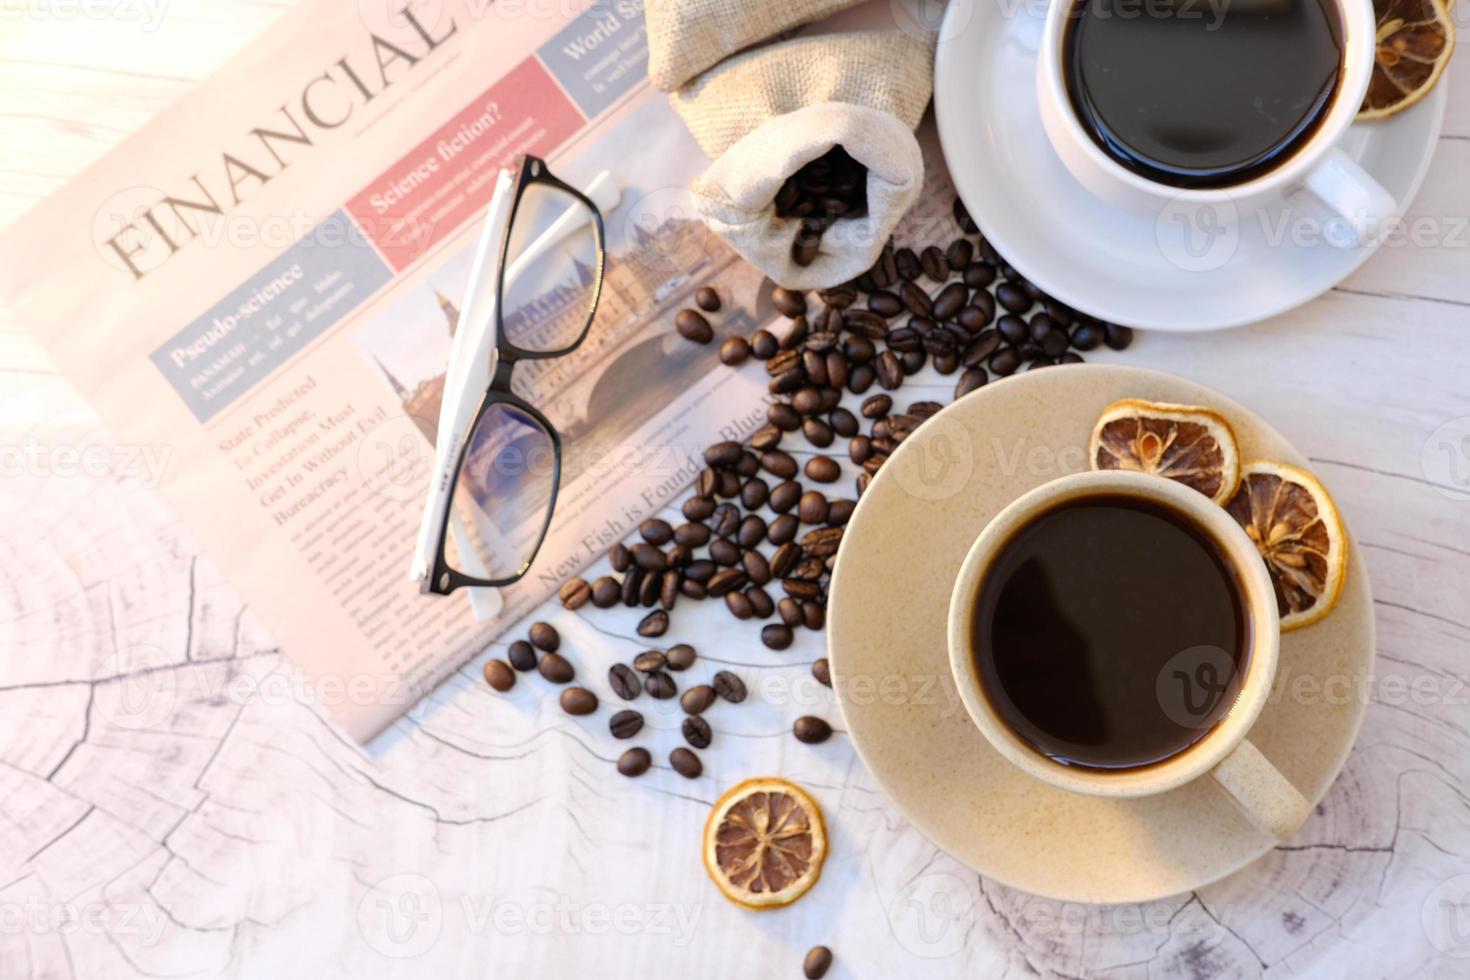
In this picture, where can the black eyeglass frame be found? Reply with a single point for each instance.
(444, 578)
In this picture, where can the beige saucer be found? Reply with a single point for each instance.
(886, 634)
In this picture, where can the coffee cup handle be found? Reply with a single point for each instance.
(1266, 796)
(1352, 192)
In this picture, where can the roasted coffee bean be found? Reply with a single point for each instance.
(692, 325)
(915, 300)
(1071, 357)
(680, 555)
(697, 732)
(784, 559)
(544, 636)
(822, 542)
(782, 529)
(648, 558)
(859, 449)
(822, 672)
(692, 589)
(904, 339)
(784, 496)
(787, 382)
(699, 570)
(1012, 297)
(574, 593)
(766, 437)
(698, 508)
(685, 763)
(947, 363)
(813, 615)
(813, 506)
(752, 531)
(817, 432)
(963, 219)
(801, 589)
(885, 304)
(680, 656)
(635, 761)
(1029, 351)
(822, 469)
(619, 557)
(728, 484)
(973, 378)
(861, 378)
(724, 520)
(739, 605)
(959, 253)
(890, 372)
(984, 345)
(624, 681)
(789, 302)
(605, 592)
(760, 599)
(555, 668)
(724, 551)
(790, 611)
(933, 263)
(876, 407)
(860, 483)
(725, 581)
(974, 318)
(978, 275)
(885, 271)
(795, 334)
(819, 958)
(950, 301)
(522, 655)
(858, 350)
(779, 464)
(1039, 327)
(906, 263)
(1005, 361)
(838, 297)
(804, 249)
(1012, 329)
(811, 730)
(729, 686)
(815, 366)
(578, 701)
(783, 363)
(777, 636)
(912, 362)
(1087, 336)
(840, 511)
(757, 569)
(763, 344)
(938, 342)
(1054, 344)
(707, 299)
(668, 590)
(1040, 362)
(807, 401)
(499, 675)
(842, 423)
(1117, 337)
(650, 588)
(693, 535)
(708, 482)
(753, 495)
(660, 685)
(865, 323)
(697, 699)
(810, 569)
(735, 350)
(625, 723)
(655, 623)
(650, 660)
(837, 369)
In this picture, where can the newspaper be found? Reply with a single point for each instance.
(263, 284)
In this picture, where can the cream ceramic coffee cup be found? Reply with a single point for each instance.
(1319, 166)
(1225, 753)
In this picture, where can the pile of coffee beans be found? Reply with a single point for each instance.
(522, 656)
(832, 186)
(762, 530)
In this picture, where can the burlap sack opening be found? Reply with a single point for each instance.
(765, 114)
(687, 36)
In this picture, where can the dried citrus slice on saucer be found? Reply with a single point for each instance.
(1415, 40)
(1291, 519)
(764, 843)
(1185, 443)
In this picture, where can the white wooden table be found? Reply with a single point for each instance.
(172, 805)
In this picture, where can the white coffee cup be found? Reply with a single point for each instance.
(1225, 753)
(1319, 166)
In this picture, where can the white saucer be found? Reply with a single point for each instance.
(1119, 266)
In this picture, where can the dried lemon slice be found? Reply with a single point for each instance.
(1191, 445)
(1294, 524)
(764, 843)
(1415, 40)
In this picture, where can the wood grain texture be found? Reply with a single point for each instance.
(176, 806)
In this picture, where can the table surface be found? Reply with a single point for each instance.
(175, 805)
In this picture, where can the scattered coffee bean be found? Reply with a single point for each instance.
(660, 685)
(635, 761)
(656, 531)
(555, 668)
(707, 299)
(813, 507)
(822, 672)
(1116, 337)
(545, 637)
(522, 655)
(655, 623)
(811, 730)
(578, 701)
(680, 656)
(779, 464)
(692, 326)
(647, 557)
(575, 593)
(685, 763)
(697, 699)
(625, 724)
(763, 344)
(650, 660)
(777, 636)
(729, 686)
(739, 605)
(624, 681)
(605, 592)
(698, 508)
(789, 302)
(784, 496)
(819, 958)
(696, 732)
(822, 469)
(499, 675)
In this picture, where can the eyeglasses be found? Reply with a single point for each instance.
(498, 471)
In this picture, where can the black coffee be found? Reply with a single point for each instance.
(1202, 93)
(1110, 632)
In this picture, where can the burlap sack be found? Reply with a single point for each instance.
(766, 113)
(687, 36)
